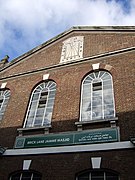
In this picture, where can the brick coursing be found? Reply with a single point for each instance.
(67, 103)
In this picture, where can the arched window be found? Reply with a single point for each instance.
(4, 97)
(41, 105)
(97, 98)
(97, 175)
(25, 175)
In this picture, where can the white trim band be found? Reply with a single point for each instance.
(70, 149)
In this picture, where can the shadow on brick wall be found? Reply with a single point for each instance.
(126, 123)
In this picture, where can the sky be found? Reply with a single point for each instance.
(25, 24)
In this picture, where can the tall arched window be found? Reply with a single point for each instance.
(25, 175)
(4, 97)
(41, 105)
(97, 98)
(98, 175)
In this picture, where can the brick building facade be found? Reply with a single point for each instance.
(68, 108)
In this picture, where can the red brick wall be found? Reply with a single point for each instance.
(65, 166)
(67, 101)
(95, 43)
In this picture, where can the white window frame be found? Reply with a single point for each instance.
(102, 171)
(46, 86)
(95, 76)
(32, 173)
(4, 96)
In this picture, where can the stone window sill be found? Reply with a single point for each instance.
(44, 128)
(81, 123)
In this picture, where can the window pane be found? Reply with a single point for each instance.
(36, 177)
(106, 76)
(97, 175)
(31, 114)
(48, 114)
(35, 97)
(50, 102)
(86, 116)
(86, 102)
(101, 73)
(109, 113)
(4, 97)
(47, 122)
(40, 111)
(26, 176)
(84, 177)
(86, 94)
(87, 81)
(16, 176)
(108, 86)
(108, 100)
(41, 105)
(97, 96)
(97, 93)
(107, 81)
(51, 94)
(38, 121)
(110, 176)
(29, 122)
(92, 75)
(96, 100)
(97, 112)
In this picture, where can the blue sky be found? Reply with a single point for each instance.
(25, 24)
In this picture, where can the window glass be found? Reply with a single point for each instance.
(25, 175)
(84, 176)
(98, 175)
(4, 97)
(41, 105)
(97, 98)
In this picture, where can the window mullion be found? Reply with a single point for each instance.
(102, 106)
(104, 176)
(102, 75)
(96, 174)
(36, 109)
(81, 105)
(21, 176)
(2, 102)
(45, 106)
(89, 176)
(31, 177)
(99, 75)
(91, 96)
(28, 110)
(113, 95)
(4, 94)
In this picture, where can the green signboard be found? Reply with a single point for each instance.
(73, 138)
